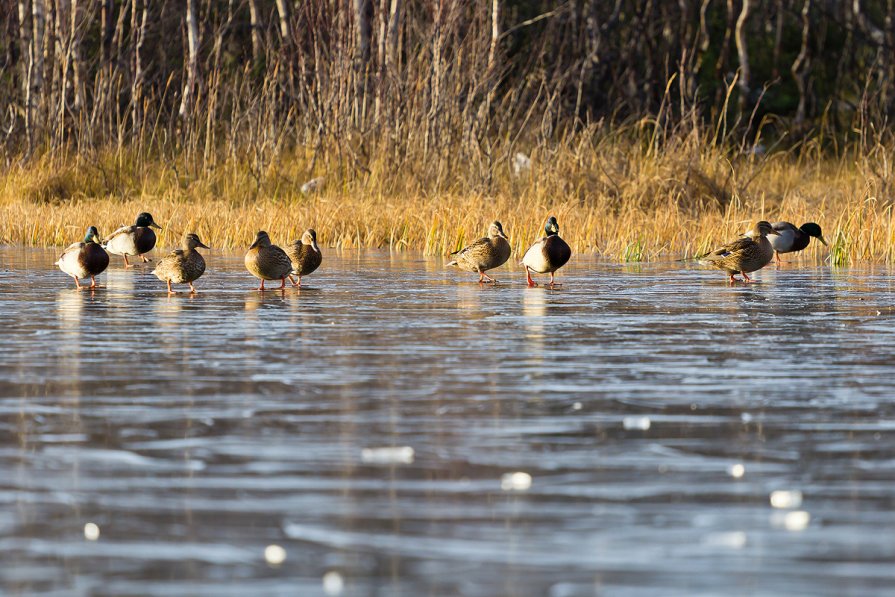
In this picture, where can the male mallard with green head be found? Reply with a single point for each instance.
(305, 255)
(744, 255)
(486, 253)
(133, 240)
(790, 239)
(266, 261)
(85, 259)
(547, 254)
(182, 266)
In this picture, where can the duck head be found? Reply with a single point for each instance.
(496, 229)
(145, 220)
(191, 241)
(551, 227)
(812, 229)
(92, 235)
(310, 238)
(763, 228)
(261, 240)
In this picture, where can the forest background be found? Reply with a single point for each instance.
(648, 127)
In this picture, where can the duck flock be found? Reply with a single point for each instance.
(268, 262)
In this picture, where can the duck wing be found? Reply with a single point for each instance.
(733, 248)
(472, 247)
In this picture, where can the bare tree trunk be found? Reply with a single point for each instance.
(800, 67)
(283, 11)
(38, 23)
(743, 54)
(391, 46)
(363, 34)
(380, 57)
(27, 65)
(495, 34)
(364, 30)
(192, 80)
(139, 13)
(257, 42)
(61, 53)
(76, 67)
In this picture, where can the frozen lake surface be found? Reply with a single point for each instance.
(670, 434)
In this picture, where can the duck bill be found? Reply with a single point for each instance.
(502, 235)
(823, 240)
(203, 245)
(314, 246)
(253, 245)
(154, 225)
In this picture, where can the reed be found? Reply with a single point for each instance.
(613, 195)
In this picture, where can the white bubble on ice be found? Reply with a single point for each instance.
(518, 481)
(786, 499)
(395, 455)
(730, 540)
(274, 555)
(736, 470)
(91, 531)
(640, 423)
(796, 520)
(333, 584)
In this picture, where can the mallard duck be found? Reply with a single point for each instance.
(790, 239)
(133, 240)
(182, 266)
(267, 261)
(85, 259)
(547, 255)
(746, 254)
(305, 255)
(484, 254)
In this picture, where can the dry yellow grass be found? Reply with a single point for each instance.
(612, 197)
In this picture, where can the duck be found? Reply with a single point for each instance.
(744, 255)
(790, 239)
(305, 255)
(184, 265)
(266, 261)
(486, 253)
(133, 240)
(86, 259)
(547, 254)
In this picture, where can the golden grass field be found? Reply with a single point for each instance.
(613, 198)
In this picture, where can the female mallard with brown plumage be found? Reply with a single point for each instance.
(547, 254)
(85, 259)
(133, 240)
(266, 261)
(484, 254)
(182, 266)
(744, 255)
(305, 255)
